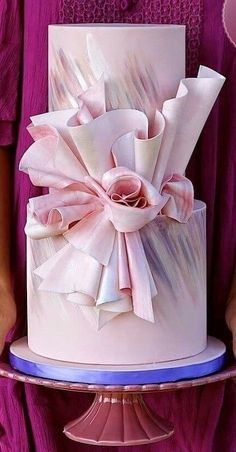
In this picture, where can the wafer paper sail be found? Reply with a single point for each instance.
(110, 173)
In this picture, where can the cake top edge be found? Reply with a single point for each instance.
(116, 25)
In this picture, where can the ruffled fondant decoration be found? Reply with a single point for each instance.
(109, 174)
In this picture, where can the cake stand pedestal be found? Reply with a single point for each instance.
(118, 415)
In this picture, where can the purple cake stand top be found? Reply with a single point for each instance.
(228, 373)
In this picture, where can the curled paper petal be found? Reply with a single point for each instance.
(180, 203)
(49, 162)
(94, 98)
(83, 116)
(125, 187)
(123, 266)
(147, 150)
(123, 151)
(42, 131)
(201, 94)
(127, 219)
(36, 230)
(94, 236)
(95, 139)
(64, 207)
(140, 154)
(67, 272)
(185, 116)
(140, 277)
(172, 111)
(130, 200)
(109, 296)
(59, 121)
(119, 179)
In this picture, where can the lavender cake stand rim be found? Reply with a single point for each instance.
(205, 363)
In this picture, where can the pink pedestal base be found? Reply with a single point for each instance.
(118, 420)
(118, 415)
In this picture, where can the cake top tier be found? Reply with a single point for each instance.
(141, 64)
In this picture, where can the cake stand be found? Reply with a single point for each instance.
(118, 415)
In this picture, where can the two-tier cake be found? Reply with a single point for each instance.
(116, 252)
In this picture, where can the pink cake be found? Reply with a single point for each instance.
(116, 268)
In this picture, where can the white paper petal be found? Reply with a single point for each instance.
(109, 296)
(123, 151)
(94, 98)
(95, 139)
(50, 163)
(94, 235)
(185, 117)
(36, 230)
(172, 112)
(59, 120)
(140, 277)
(69, 271)
(147, 151)
(200, 98)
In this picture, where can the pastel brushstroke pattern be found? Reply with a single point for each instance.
(132, 61)
(176, 254)
(67, 80)
(134, 88)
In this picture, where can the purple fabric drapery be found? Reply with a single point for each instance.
(31, 417)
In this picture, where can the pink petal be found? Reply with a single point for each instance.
(123, 266)
(110, 298)
(94, 235)
(95, 139)
(181, 197)
(94, 98)
(50, 163)
(67, 272)
(140, 277)
(63, 207)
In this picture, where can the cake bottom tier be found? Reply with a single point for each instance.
(66, 331)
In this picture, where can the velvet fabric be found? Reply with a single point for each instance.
(32, 417)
